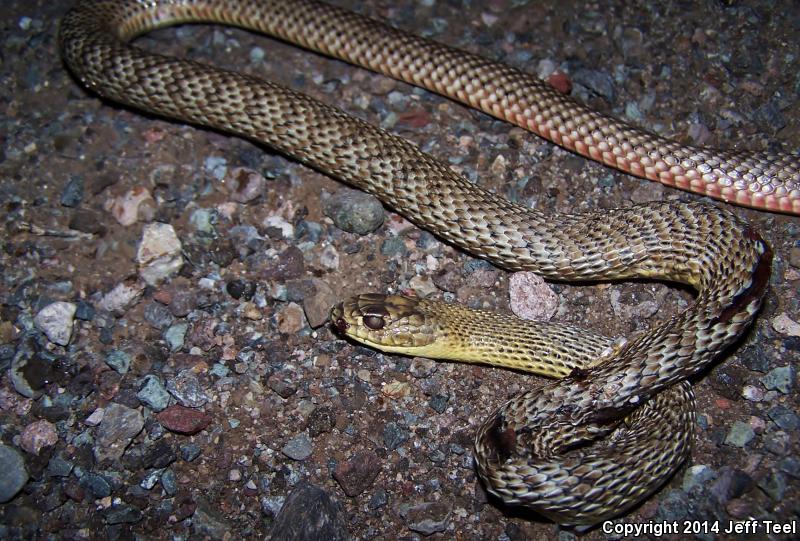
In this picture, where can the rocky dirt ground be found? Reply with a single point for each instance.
(219, 405)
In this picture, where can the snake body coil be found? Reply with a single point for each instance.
(536, 450)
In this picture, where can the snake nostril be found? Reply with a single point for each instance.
(375, 323)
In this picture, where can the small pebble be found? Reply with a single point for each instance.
(530, 297)
(135, 205)
(55, 321)
(378, 499)
(290, 319)
(15, 474)
(186, 389)
(784, 417)
(299, 447)
(95, 418)
(190, 451)
(781, 379)
(119, 361)
(740, 434)
(240, 289)
(96, 484)
(175, 335)
(159, 255)
(697, 475)
(153, 394)
(120, 425)
(358, 473)
(393, 246)
(169, 481)
(354, 211)
(245, 184)
(122, 297)
(427, 518)
(84, 311)
(122, 513)
(202, 220)
(183, 420)
(217, 166)
(394, 436)
(785, 325)
(158, 315)
(72, 195)
(317, 307)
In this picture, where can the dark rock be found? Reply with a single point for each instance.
(321, 420)
(84, 311)
(731, 484)
(784, 418)
(289, 265)
(394, 436)
(438, 403)
(358, 473)
(58, 466)
(781, 378)
(158, 315)
(283, 384)
(15, 475)
(169, 481)
(206, 521)
(378, 499)
(298, 448)
(87, 221)
(119, 361)
(183, 302)
(354, 211)
(239, 289)
(598, 82)
(309, 514)
(674, 506)
(728, 380)
(159, 455)
(770, 116)
(95, 483)
(73, 192)
(774, 485)
(790, 466)
(153, 394)
(190, 451)
(393, 246)
(122, 514)
(222, 252)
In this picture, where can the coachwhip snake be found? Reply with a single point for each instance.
(539, 449)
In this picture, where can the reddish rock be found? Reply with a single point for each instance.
(560, 81)
(358, 474)
(183, 420)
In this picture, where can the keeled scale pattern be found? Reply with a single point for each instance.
(517, 449)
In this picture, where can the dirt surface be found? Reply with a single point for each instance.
(288, 421)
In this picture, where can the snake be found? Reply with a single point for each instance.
(617, 420)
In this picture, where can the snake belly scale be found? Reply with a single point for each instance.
(538, 449)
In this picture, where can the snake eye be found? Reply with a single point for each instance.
(375, 323)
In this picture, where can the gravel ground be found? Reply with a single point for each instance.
(219, 405)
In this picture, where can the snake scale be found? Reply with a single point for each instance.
(577, 449)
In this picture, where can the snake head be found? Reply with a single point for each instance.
(392, 323)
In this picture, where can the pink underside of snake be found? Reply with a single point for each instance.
(761, 180)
